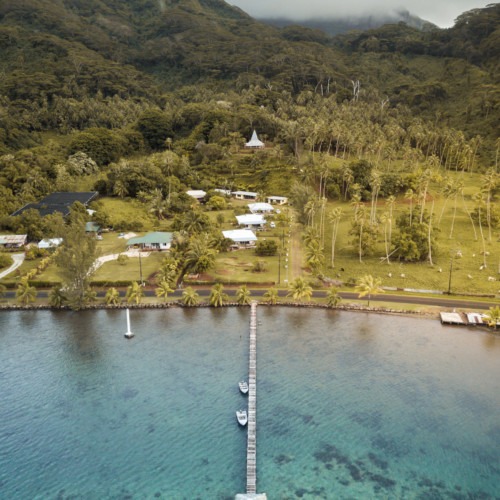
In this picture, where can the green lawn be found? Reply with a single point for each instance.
(466, 275)
(131, 271)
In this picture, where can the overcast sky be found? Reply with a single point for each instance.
(440, 12)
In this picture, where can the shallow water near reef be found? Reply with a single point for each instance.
(350, 405)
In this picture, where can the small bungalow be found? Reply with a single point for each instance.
(241, 237)
(49, 243)
(152, 241)
(197, 194)
(251, 221)
(13, 240)
(277, 200)
(244, 195)
(223, 192)
(92, 227)
(260, 208)
(254, 142)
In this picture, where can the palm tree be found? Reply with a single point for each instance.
(25, 293)
(190, 297)
(217, 295)
(272, 296)
(299, 289)
(410, 195)
(368, 285)
(200, 257)
(135, 293)
(333, 298)
(112, 297)
(314, 256)
(89, 295)
(243, 295)
(492, 317)
(163, 290)
(56, 297)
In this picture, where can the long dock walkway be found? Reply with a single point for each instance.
(252, 413)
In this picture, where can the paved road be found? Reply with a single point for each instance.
(18, 259)
(444, 302)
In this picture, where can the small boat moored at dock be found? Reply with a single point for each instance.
(241, 415)
(243, 385)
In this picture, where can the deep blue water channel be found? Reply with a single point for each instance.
(350, 406)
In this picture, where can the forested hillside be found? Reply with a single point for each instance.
(118, 80)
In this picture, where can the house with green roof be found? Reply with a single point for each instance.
(152, 241)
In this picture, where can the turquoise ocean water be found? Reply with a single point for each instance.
(350, 405)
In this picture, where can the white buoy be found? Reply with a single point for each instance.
(128, 334)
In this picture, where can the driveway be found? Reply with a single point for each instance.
(18, 260)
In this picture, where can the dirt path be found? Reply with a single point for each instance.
(18, 259)
(296, 252)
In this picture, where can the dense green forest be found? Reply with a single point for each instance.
(144, 99)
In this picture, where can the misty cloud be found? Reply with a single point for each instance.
(442, 12)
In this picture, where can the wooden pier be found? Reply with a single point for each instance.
(252, 414)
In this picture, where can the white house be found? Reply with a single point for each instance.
(245, 195)
(152, 241)
(260, 208)
(251, 221)
(254, 142)
(224, 192)
(50, 243)
(277, 200)
(197, 194)
(242, 237)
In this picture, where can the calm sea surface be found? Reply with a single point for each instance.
(350, 406)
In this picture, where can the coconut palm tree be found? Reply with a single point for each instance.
(190, 297)
(368, 285)
(200, 257)
(492, 317)
(112, 297)
(25, 293)
(134, 293)
(56, 297)
(314, 256)
(333, 298)
(89, 295)
(298, 289)
(163, 290)
(272, 296)
(243, 295)
(217, 295)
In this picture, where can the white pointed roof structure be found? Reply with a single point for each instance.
(254, 142)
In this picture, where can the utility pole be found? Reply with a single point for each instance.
(449, 281)
(140, 268)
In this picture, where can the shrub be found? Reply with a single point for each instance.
(5, 260)
(266, 248)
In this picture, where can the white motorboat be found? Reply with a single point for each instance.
(241, 415)
(243, 385)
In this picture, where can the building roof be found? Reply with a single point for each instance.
(50, 242)
(197, 193)
(277, 198)
(254, 142)
(245, 193)
(58, 202)
(252, 219)
(13, 239)
(240, 235)
(260, 207)
(159, 238)
(226, 192)
(92, 227)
